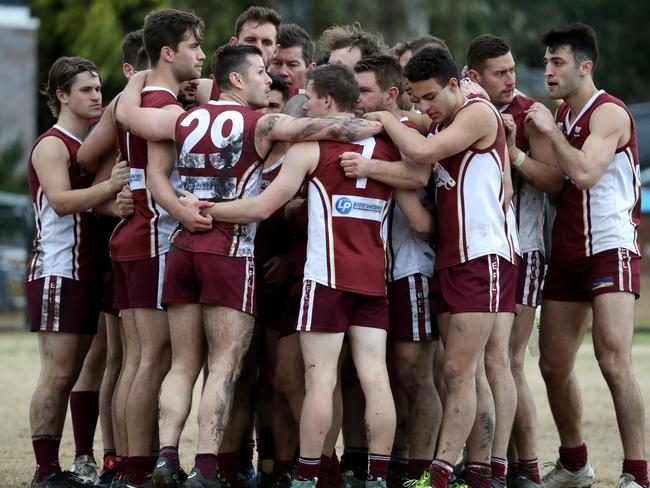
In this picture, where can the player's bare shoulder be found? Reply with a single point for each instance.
(49, 149)
(610, 118)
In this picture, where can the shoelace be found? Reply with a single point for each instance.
(422, 482)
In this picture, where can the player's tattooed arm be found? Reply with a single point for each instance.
(153, 124)
(278, 127)
(418, 217)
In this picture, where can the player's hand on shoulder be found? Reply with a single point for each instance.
(119, 176)
(470, 88)
(355, 165)
(125, 203)
(377, 116)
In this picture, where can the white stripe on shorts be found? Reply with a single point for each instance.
(308, 287)
(162, 260)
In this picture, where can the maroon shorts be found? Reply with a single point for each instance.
(291, 310)
(210, 279)
(530, 279)
(56, 304)
(138, 283)
(485, 284)
(409, 312)
(325, 309)
(615, 270)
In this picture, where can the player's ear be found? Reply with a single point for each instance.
(235, 79)
(128, 70)
(453, 84)
(586, 67)
(473, 75)
(62, 96)
(166, 53)
(392, 95)
(232, 41)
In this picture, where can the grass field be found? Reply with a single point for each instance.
(19, 370)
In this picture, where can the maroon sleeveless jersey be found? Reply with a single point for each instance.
(217, 161)
(347, 220)
(470, 211)
(64, 245)
(145, 234)
(605, 216)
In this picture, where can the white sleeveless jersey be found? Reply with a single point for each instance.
(406, 254)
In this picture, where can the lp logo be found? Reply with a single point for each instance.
(344, 206)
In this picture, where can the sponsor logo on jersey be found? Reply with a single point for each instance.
(443, 178)
(358, 207)
(602, 283)
(136, 179)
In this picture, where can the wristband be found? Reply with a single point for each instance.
(521, 157)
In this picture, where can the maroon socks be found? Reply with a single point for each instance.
(573, 458)
(46, 451)
(84, 410)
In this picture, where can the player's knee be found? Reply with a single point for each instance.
(613, 365)
(457, 373)
(552, 369)
(497, 365)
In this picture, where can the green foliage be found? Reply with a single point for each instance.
(92, 29)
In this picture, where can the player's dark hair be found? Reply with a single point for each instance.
(484, 47)
(292, 35)
(386, 68)
(258, 15)
(340, 36)
(431, 63)
(337, 81)
(324, 59)
(278, 84)
(228, 59)
(417, 43)
(581, 38)
(142, 60)
(169, 27)
(131, 46)
(61, 76)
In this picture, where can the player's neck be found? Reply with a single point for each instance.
(74, 124)
(394, 109)
(460, 101)
(160, 76)
(232, 96)
(578, 99)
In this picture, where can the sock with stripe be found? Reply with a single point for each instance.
(307, 469)
(530, 469)
(378, 466)
(84, 411)
(477, 475)
(441, 473)
(46, 451)
(498, 466)
(170, 453)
